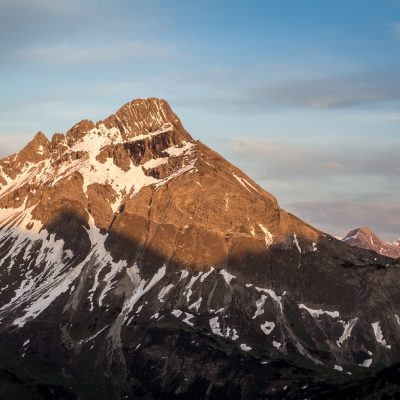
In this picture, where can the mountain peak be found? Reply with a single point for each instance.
(39, 140)
(365, 229)
(40, 137)
(144, 116)
(79, 130)
(36, 150)
(144, 145)
(364, 237)
(355, 233)
(134, 120)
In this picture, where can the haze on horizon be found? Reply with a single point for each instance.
(303, 96)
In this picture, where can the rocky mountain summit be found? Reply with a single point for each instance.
(137, 263)
(365, 238)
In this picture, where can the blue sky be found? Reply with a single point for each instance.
(304, 95)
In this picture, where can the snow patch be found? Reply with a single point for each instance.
(248, 186)
(355, 236)
(366, 363)
(314, 247)
(188, 288)
(260, 306)
(187, 319)
(204, 275)
(164, 291)
(89, 339)
(267, 327)
(296, 242)
(99, 251)
(38, 289)
(227, 276)
(379, 335)
(184, 274)
(277, 299)
(196, 305)
(179, 150)
(215, 327)
(139, 309)
(348, 327)
(245, 347)
(318, 313)
(268, 235)
(142, 288)
(176, 313)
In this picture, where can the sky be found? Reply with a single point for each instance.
(304, 95)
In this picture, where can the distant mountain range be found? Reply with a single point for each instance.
(365, 238)
(137, 263)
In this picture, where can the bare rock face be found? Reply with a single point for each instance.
(365, 238)
(146, 115)
(33, 152)
(137, 262)
(78, 131)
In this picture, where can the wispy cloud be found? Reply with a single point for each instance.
(22, 20)
(332, 165)
(60, 53)
(340, 216)
(31, 22)
(332, 92)
(61, 7)
(335, 187)
(282, 160)
(310, 89)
